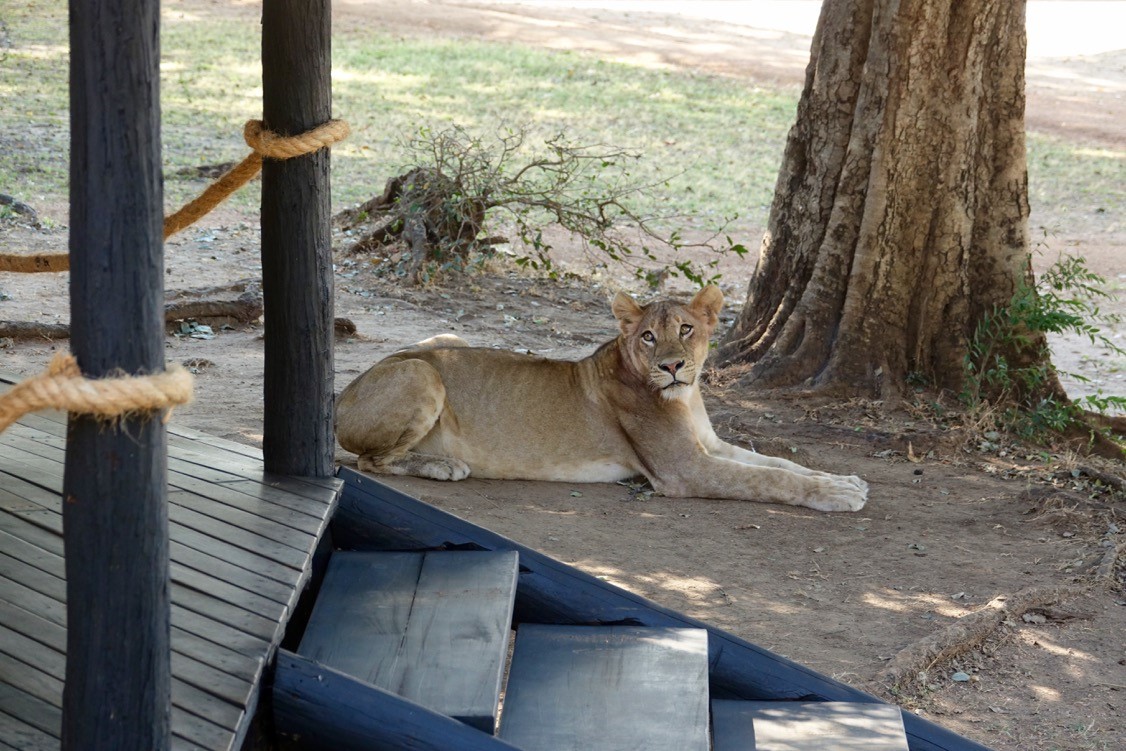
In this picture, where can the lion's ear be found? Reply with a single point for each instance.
(707, 303)
(627, 311)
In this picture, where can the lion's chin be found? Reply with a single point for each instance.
(677, 390)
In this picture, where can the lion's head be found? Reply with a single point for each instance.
(666, 343)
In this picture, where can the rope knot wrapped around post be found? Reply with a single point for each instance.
(64, 387)
(265, 144)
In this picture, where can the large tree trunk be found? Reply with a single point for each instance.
(900, 215)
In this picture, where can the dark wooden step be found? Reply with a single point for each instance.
(586, 688)
(807, 726)
(431, 627)
(317, 708)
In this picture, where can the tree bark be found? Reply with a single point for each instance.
(115, 516)
(900, 215)
(297, 243)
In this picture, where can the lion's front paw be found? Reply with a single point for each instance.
(443, 468)
(838, 493)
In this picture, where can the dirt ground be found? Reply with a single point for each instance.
(955, 519)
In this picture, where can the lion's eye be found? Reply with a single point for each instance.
(647, 337)
(685, 329)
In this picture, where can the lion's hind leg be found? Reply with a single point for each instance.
(390, 409)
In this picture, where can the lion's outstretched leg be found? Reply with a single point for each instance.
(386, 412)
(726, 450)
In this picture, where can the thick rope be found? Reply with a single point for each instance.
(265, 144)
(64, 387)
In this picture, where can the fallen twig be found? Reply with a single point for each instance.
(965, 633)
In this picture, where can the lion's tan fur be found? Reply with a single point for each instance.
(443, 410)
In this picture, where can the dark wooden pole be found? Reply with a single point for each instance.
(114, 487)
(296, 242)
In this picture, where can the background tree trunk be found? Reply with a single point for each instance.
(900, 215)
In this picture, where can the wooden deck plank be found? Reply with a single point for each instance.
(242, 594)
(187, 698)
(225, 552)
(33, 627)
(200, 449)
(203, 595)
(27, 678)
(38, 646)
(24, 737)
(181, 514)
(807, 726)
(327, 709)
(24, 598)
(26, 637)
(241, 548)
(227, 496)
(599, 688)
(430, 627)
(35, 712)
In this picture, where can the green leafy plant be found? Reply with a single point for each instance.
(447, 210)
(1008, 366)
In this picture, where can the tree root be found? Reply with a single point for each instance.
(32, 330)
(1105, 571)
(1114, 423)
(965, 633)
(231, 305)
(20, 208)
(1118, 482)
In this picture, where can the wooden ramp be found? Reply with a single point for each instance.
(393, 641)
(241, 550)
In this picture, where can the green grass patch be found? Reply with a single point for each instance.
(712, 144)
(1075, 186)
(716, 142)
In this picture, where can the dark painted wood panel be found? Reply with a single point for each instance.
(205, 598)
(226, 592)
(243, 578)
(217, 632)
(602, 688)
(216, 656)
(248, 541)
(219, 494)
(31, 680)
(362, 612)
(285, 501)
(27, 633)
(224, 552)
(198, 703)
(209, 451)
(35, 712)
(221, 612)
(23, 737)
(806, 726)
(231, 597)
(240, 586)
(34, 604)
(430, 627)
(30, 554)
(330, 711)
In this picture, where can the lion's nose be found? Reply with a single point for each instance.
(671, 367)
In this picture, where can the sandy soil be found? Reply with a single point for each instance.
(955, 519)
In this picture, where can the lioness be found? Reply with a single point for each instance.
(443, 410)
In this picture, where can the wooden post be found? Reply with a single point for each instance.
(296, 243)
(117, 692)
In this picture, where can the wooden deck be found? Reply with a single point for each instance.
(241, 551)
